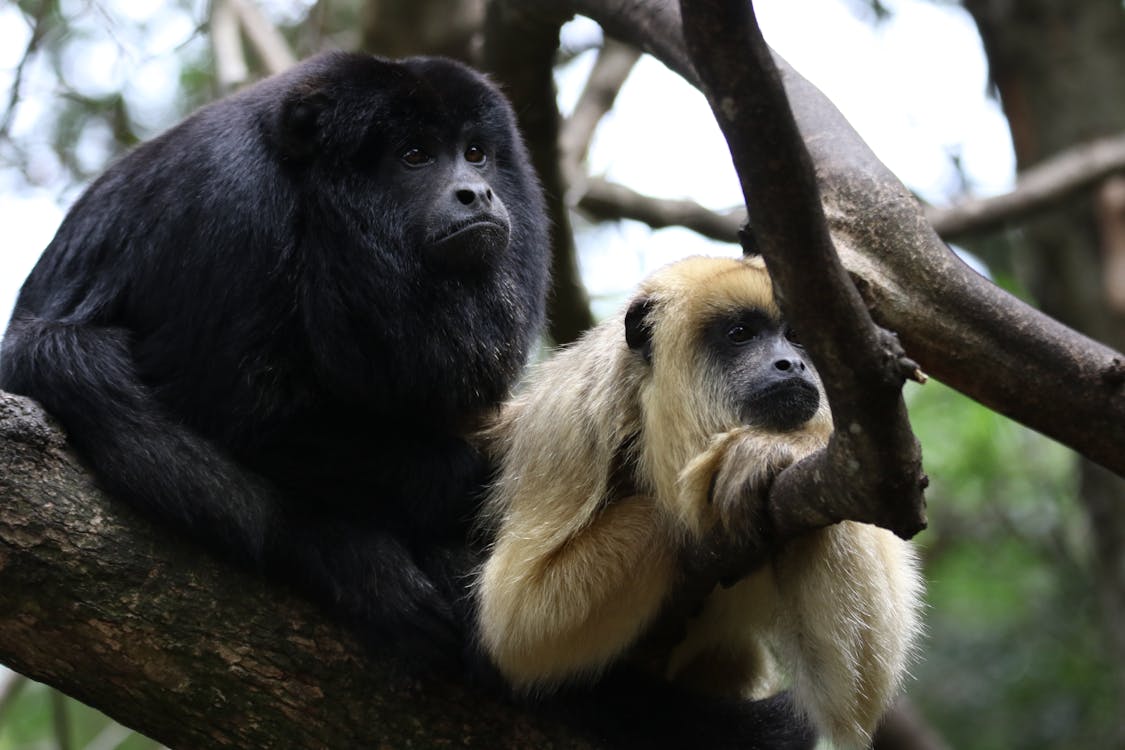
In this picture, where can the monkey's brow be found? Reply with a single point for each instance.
(755, 316)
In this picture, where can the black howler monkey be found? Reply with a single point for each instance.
(649, 446)
(274, 324)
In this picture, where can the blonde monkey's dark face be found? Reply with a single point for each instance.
(769, 376)
(764, 372)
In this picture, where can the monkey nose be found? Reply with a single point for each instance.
(468, 196)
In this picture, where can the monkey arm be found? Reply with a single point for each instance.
(847, 597)
(557, 606)
(721, 497)
(849, 618)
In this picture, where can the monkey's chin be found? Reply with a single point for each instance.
(783, 407)
(469, 246)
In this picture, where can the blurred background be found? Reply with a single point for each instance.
(1025, 554)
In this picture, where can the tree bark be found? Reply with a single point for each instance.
(152, 631)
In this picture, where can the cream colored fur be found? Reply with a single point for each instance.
(582, 566)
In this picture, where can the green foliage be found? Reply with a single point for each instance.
(1015, 656)
(37, 715)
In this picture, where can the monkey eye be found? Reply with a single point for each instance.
(792, 336)
(415, 157)
(474, 154)
(740, 333)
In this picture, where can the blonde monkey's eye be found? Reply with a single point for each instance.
(739, 333)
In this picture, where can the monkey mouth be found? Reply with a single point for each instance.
(782, 406)
(468, 243)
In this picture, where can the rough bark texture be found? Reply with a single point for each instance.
(150, 630)
(1059, 67)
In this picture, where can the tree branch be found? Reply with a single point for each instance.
(603, 200)
(863, 367)
(1047, 184)
(1066, 173)
(264, 36)
(156, 633)
(1110, 214)
(611, 69)
(231, 70)
(959, 326)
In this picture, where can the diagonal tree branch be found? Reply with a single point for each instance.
(1071, 171)
(957, 325)
(159, 635)
(264, 36)
(611, 69)
(231, 70)
(862, 366)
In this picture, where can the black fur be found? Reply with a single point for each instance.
(629, 710)
(249, 328)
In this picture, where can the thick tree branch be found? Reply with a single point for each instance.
(154, 632)
(862, 366)
(960, 327)
(904, 729)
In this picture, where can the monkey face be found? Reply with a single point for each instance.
(764, 369)
(718, 354)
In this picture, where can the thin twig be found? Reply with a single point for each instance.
(264, 36)
(603, 200)
(231, 69)
(38, 30)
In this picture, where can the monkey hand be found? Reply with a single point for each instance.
(725, 490)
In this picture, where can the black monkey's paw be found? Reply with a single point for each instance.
(370, 580)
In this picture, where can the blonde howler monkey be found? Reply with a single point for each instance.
(635, 464)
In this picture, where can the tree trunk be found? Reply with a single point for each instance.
(162, 637)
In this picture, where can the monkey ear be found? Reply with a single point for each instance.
(638, 328)
(300, 122)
